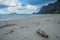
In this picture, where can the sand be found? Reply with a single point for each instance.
(25, 28)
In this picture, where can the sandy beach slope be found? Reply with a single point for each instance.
(25, 28)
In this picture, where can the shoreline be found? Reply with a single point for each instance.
(2, 19)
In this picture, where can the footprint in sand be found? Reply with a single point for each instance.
(8, 33)
(21, 27)
(36, 23)
(48, 20)
(24, 26)
(58, 22)
(6, 25)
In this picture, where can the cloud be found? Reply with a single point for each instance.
(16, 6)
(22, 9)
(31, 7)
(9, 2)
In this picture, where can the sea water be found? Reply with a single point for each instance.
(14, 16)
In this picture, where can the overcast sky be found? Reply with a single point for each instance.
(22, 6)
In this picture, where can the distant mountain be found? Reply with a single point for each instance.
(51, 8)
(3, 6)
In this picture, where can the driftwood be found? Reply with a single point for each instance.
(42, 33)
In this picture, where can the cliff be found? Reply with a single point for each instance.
(51, 8)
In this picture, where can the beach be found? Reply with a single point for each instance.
(25, 28)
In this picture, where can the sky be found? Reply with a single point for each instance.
(22, 6)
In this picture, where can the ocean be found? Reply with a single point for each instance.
(14, 16)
